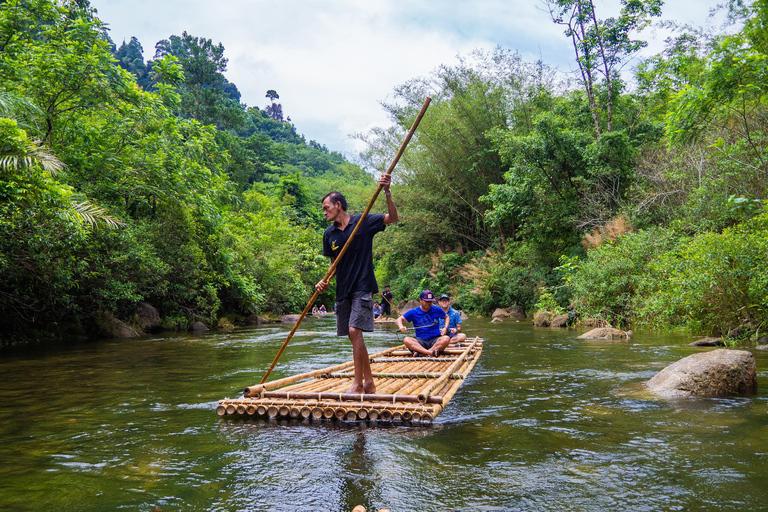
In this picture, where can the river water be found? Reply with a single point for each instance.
(545, 422)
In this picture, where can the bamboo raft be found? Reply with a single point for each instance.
(409, 389)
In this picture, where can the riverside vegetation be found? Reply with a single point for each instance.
(635, 199)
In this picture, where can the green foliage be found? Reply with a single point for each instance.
(607, 283)
(712, 284)
(212, 221)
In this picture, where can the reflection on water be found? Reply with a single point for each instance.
(545, 422)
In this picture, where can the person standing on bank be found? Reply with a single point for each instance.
(355, 281)
(386, 304)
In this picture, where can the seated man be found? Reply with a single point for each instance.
(430, 338)
(315, 311)
(322, 309)
(376, 310)
(454, 325)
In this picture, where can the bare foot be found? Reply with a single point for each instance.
(370, 389)
(354, 389)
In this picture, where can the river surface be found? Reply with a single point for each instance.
(545, 422)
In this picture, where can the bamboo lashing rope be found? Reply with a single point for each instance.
(335, 263)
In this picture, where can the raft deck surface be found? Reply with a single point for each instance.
(408, 388)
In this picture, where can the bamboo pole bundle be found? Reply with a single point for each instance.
(349, 397)
(424, 395)
(256, 389)
(452, 391)
(405, 375)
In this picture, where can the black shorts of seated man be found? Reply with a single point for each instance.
(430, 324)
(355, 281)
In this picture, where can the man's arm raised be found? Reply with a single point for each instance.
(391, 216)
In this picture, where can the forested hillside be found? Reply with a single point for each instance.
(125, 181)
(635, 198)
(631, 196)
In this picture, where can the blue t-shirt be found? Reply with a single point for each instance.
(427, 323)
(454, 318)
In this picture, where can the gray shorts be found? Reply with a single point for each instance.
(355, 311)
(427, 343)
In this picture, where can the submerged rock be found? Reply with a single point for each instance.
(717, 373)
(604, 333)
(708, 342)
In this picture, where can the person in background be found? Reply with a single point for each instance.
(315, 310)
(386, 302)
(376, 310)
(355, 280)
(454, 319)
(322, 309)
(430, 338)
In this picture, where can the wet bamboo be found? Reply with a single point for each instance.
(347, 244)
(439, 382)
(333, 406)
(452, 391)
(257, 388)
(348, 397)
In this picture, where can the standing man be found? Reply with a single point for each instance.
(430, 335)
(454, 319)
(386, 303)
(355, 282)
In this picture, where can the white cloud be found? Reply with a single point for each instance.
(332, 62)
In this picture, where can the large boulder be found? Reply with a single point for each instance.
(542, 319)
(406, 306)
(516, 312)
(604, 333)
(198, 327)
(500, 313)
(147, 318)
(463, 315)
(717, 373)
(559, 321)
(290, 319)
(110, 327)
(708, 342)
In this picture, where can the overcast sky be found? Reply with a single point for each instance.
(333, 61)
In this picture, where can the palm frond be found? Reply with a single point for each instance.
(34, 154)
(92, 215)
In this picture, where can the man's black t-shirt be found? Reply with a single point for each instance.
(354, 273)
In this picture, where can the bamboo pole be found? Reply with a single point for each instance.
(424, 395)
(335, 263)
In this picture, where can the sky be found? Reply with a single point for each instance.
(334, 61)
